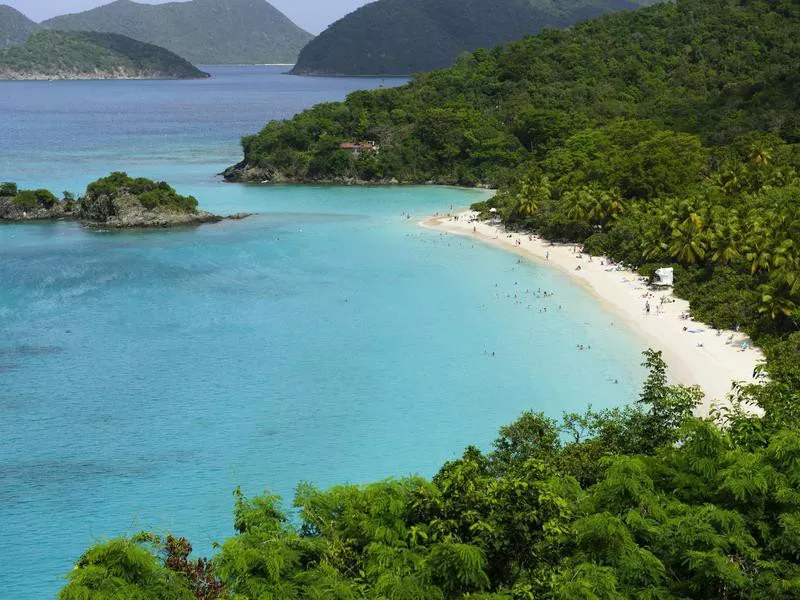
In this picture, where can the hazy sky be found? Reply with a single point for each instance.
(313, 15)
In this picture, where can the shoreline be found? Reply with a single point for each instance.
(694, 352)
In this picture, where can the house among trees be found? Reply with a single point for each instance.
(357, 148)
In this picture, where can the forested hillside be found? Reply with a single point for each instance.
(714, 70)
(90, 55)
(400, 37)
(201, 31)
(14, 27)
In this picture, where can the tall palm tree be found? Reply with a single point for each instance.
(776, 302)
(533, 193)
(732, 180)
(787, 269)
(688, 244)
(575, 207)
(726, 239)
(613, 204)
(759, 244)
(760, 155)
(594, 201)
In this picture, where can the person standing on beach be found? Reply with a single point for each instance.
(647, 306)
(547, 255)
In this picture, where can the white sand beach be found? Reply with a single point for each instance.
(695, 353)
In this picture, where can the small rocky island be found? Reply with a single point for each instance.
(91, 55)
(117, 201)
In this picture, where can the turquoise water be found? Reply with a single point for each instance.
(145, 375)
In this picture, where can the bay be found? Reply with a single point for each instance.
(145, 375)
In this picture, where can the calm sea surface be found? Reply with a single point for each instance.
(145, 375)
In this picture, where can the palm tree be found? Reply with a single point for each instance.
(787, 269)
(760, 155)
(726, 239)
(732, 180)
(776, 302)
(613, 204)
(594, 201)
(533, 193)
(759, 245)
(688, 245)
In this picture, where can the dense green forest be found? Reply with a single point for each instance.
(65, 55)
(205, 32)
(668, 136)
(400, 37)
(14, 27)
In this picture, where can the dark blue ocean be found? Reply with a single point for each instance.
(145, 375)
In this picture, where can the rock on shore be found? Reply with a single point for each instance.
(125, 210)
(114, 202)
(13, 211)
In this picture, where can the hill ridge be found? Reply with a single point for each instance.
(15, 27)
(401, 37)
(231, 31)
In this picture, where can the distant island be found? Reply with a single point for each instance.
(90, 55)
(117, 201)
(402, 37)
(205, 32)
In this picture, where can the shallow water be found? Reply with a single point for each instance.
(145, 375)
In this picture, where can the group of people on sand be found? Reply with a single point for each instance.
(659, 307)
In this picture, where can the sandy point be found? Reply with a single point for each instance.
(696, 354)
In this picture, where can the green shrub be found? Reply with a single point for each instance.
(151, 194)
(33, 199)
(8, 189)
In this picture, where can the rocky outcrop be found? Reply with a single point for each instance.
(12, 211)
(125, 210)
(113, 202)
(245, 173)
